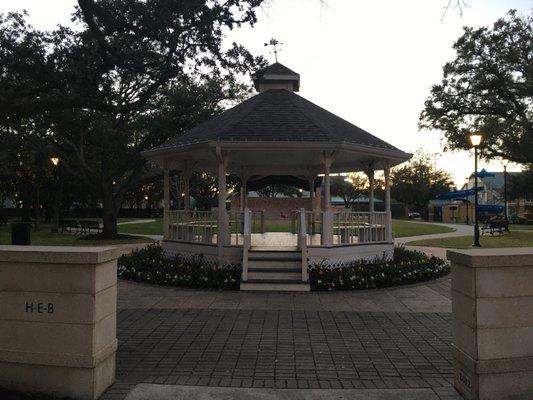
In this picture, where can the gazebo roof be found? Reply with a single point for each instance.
(277, 115)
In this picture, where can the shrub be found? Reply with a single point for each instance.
(152, 265)
(406, 267)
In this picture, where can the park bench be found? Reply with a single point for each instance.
(495, 226)
(69, 225)
(87, 225)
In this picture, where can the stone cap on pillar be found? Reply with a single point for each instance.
(486, 258)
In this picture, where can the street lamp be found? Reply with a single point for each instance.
(475, 140)
(505, 163)
(57, 195)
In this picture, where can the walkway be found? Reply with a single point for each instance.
(459, 230)
(386, 343)
(378, 344)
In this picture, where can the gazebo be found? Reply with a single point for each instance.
(273, 134)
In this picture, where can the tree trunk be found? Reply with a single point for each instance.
(109, 214)
(37, 208)
(57, 206)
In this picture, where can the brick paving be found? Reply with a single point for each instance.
(284, 349)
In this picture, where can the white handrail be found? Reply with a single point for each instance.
(302, 237)
(247, 241)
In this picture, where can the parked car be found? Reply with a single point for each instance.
(414, 215)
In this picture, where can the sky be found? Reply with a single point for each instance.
(370, 62)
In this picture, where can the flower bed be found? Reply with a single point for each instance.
(406, 267)
(152, 265)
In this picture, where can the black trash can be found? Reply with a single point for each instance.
(20, 234)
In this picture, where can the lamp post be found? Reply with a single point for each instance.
(475, 140)
(57, 195)
(505, 162)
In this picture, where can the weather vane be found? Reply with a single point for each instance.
(274, 43)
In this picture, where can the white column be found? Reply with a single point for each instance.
(327, 225)
(327, 185)
(245, 193)
(247, 241)
(311, 187)
(166, 202)
(302, 236)
(223, 228)
(186, 193)
(386, 172)
(370, 174)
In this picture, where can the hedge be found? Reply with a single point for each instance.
(152, 265)
(406, 267)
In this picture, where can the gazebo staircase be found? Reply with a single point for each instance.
(274, 270)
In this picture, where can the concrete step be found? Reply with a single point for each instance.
(274, 264)
(276, 249)
(275, 285)
(274, 255)
(278, 276)
(274, 269)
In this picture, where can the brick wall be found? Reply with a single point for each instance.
(274, 206)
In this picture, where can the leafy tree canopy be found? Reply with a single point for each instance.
(134, 74)
(488, 88)
(348, 188)
(417, 182)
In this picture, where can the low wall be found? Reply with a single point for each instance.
(492, 303)
(58, 319)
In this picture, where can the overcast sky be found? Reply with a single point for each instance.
(370, 62)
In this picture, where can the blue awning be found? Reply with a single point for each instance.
(458, 194)
(490, 208)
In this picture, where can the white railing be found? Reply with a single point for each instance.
(236, 227)
(202, 226)
(345, 228)
(192, 226)
(359, 227)
(318, 228)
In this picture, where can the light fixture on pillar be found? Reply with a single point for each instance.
(475, 140)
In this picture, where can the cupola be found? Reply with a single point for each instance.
(276, 76)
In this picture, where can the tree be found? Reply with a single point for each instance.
(417, 182)
(521, 185)
(97, 93)
(348, 188)
(488, 87)
(277, 189)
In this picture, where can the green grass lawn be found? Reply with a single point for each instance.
(513, 239)
(403, 228)
(148, 228)
(43, 237)
(515, 227)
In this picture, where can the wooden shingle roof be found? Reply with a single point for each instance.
(277, 115)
